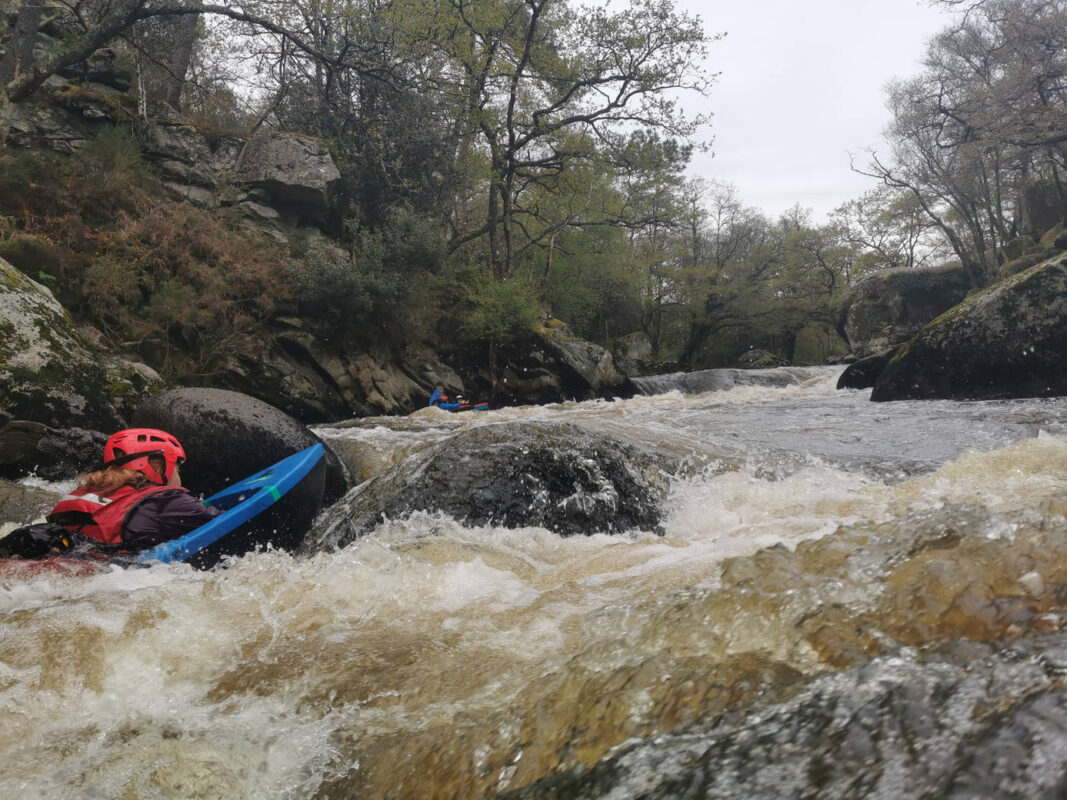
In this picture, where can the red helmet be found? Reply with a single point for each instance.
(131, 448)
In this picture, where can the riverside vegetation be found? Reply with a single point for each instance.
(477, 169)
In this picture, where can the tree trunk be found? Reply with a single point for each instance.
(697, 336)
(789, 346)
(494, 229)
(18, 59)
(183, 30)
(1060, 190)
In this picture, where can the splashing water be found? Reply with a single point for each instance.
(433, 659)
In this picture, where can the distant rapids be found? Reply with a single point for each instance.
(811, 534)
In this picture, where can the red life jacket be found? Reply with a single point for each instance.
(101, 517)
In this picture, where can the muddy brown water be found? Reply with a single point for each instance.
(809, 531)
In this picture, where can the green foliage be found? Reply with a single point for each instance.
(374, 282)
(595, 285)
(403, 246)
(329, 286)
(36, 256)
(501, 311)
(30, 183)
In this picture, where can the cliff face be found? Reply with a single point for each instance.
(284, 187)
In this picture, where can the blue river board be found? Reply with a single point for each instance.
(242, 503)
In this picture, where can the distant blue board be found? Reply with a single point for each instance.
(248, 501)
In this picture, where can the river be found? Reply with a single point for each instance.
(433, 660)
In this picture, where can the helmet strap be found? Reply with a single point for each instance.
(126, 459)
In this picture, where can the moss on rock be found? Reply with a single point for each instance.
(1008, 340)
(887, 308)
(49, 372)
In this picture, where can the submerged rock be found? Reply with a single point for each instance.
(24, 503)
(228, 436)
(923, 657)
(560, 477)
(968, 721)
(1007, 341)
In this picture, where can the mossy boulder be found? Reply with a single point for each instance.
(1009, 340)
(886, 308)
(49, 372)
(586, 370)
(756, 358)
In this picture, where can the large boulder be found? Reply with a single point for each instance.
(586, 369)
(186, 156)
(1008, 341)
(50, 372)
(633, 354)
(296, 170)
(279, 180)
(556, 476)
(886, 308)
(228, 436)
(65, 115)
(550, 366)
(102, 68)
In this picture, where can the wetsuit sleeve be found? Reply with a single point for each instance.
(164, 516)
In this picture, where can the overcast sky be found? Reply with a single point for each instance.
(801, 86)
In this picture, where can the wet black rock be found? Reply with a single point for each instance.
(228, 436)
(718, 380)
(31, 448)
(864, 373)
(969, 721)
(560, 477)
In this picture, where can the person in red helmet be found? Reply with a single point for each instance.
(135, 500)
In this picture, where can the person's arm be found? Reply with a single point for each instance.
(165, 516)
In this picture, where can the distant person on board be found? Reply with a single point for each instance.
(136, 499)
